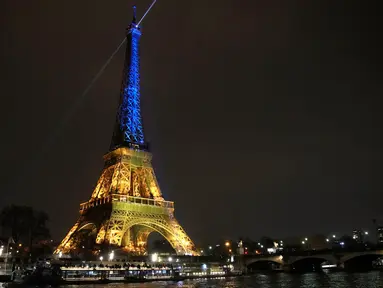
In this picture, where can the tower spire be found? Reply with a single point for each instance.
(134, 14)
(128, 129)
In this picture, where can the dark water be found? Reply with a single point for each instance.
(372, 279)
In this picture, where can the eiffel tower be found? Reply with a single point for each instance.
(127, 205)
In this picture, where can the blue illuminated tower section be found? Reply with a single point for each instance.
(128, 131)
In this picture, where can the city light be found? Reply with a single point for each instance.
(271, 250)
(306, 239)
(111, 256)
(327, 240)
(154, 257)
(170, 259)
(227, 244)
(341, 243)
(101, 258)
(366, 232)
(303, 242)
(210, 247)
(60, 254)
(333, 236)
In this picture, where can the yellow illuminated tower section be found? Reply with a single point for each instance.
(127, 205)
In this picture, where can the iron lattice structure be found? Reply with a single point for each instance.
(128, 128)
(127, 205)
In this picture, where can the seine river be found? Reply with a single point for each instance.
(372, 279)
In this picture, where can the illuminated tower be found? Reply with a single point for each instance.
(127, 205)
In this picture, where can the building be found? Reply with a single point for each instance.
(379, 234)
(357, 235)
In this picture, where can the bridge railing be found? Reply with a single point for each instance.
(128, 199)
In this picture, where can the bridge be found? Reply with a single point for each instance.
(339, 259)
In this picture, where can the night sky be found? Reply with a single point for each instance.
(263, 116)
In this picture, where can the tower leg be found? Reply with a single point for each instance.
(67, 243)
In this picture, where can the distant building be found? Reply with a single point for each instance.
(357, 235)
(379, 233)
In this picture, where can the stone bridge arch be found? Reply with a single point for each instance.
(275, 259)
(329, 258)
(354, 255)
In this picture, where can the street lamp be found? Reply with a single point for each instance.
(111, 256)
(154, 257)
(303, 242)
(227, 244)
(366, 232)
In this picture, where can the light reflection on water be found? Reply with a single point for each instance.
(281, 280)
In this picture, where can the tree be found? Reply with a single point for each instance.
(24, 224)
